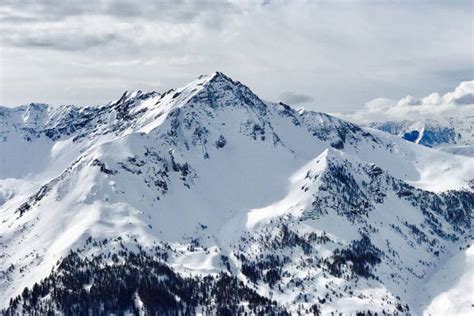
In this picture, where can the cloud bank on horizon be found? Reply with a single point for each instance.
(329, 56)
(458, 102)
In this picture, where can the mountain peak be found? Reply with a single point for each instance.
(216, 84)
(218, 78)
(220, 75)
(216, 90)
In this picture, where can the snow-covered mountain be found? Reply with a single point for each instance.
(206, 198)
(451, 134)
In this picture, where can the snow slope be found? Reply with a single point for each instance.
(304, 208)
(458, 298)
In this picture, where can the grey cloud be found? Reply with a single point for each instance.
(78, 25)
(177, 10)
(68, 41)
(50, 9)
(291, 97)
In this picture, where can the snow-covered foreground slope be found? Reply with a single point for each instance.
(133, 205)
(457, 277)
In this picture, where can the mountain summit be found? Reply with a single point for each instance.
(206, 198)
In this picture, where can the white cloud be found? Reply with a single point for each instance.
(463, 94)
(456, 103)
(379, 104)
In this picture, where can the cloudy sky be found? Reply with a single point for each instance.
(324, 55)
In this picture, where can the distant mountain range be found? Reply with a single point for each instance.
(452, 134)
